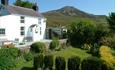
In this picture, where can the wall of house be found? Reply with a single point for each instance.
(12, 25)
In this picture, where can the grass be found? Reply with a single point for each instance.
(66, 53)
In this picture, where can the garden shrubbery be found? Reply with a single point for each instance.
(60, 63)
(106, 55)
(38, 62)
(54, 44)
(38, 47)
(74, 63)
(91, 63)
(48, 62)
(28, 56)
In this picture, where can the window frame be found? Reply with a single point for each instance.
(2, 31)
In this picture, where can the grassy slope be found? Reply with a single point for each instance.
(58, 19)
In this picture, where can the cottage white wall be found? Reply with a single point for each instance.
(12, 25)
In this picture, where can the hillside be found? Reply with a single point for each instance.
(69, 14)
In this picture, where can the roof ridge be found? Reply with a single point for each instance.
(22, 7)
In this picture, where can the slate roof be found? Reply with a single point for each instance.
(23, 11)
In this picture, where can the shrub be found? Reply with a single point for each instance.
(60, 63)
(7, 58)
(54, 44)
(106, 55)
(48, 61)
(94, 50)
(73, 63)
(105, 66)
(91, 63)
(13, 52)
(38, 61)
(28, 56)
(6, 63)
(38, 47)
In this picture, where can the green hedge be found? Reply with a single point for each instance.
(74, 63)
(60, 63)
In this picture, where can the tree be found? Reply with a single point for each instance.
(111, 21)
(87, 32)
(23, 3)
(81, 32)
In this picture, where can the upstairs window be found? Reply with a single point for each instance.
(22, 19)
(39, 20)
(22, 31)
(2, 31)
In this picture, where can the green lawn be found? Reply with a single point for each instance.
(66, 53)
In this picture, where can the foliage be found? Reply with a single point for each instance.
(106, 55)
(6, 62)
(80, 33)
(13, 52)
(38, 61)
(108, 41)
(23, 3)
(7, 58)
(54, 44)
(74, 63)
(60, 63)
(48, 61)
(85, 32)
(91, 63)
(111, 21)
(94, 50)
(38, 47)
(28, 56)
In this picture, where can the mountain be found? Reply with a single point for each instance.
(69, 14)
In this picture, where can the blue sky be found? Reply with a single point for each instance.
(97, 7)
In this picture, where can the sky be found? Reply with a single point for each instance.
(97, 7)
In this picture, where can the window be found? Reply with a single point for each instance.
(40, 30)
(22, 19)
(2, 31)
(22, 30)
(39, 20)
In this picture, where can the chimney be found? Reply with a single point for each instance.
(35, 7)
(4, 2)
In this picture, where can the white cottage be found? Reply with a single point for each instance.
(21, 24)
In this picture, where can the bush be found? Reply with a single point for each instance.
(74, 63)
(105, 66)
(54, 44)
(91, 63)
(7, 58)
(60, 63)
(13, 52)
(38, 61)
(6, 63)
(48, 61)
(28, 56)
(38, 47)
(106, 55)
(94, 50)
